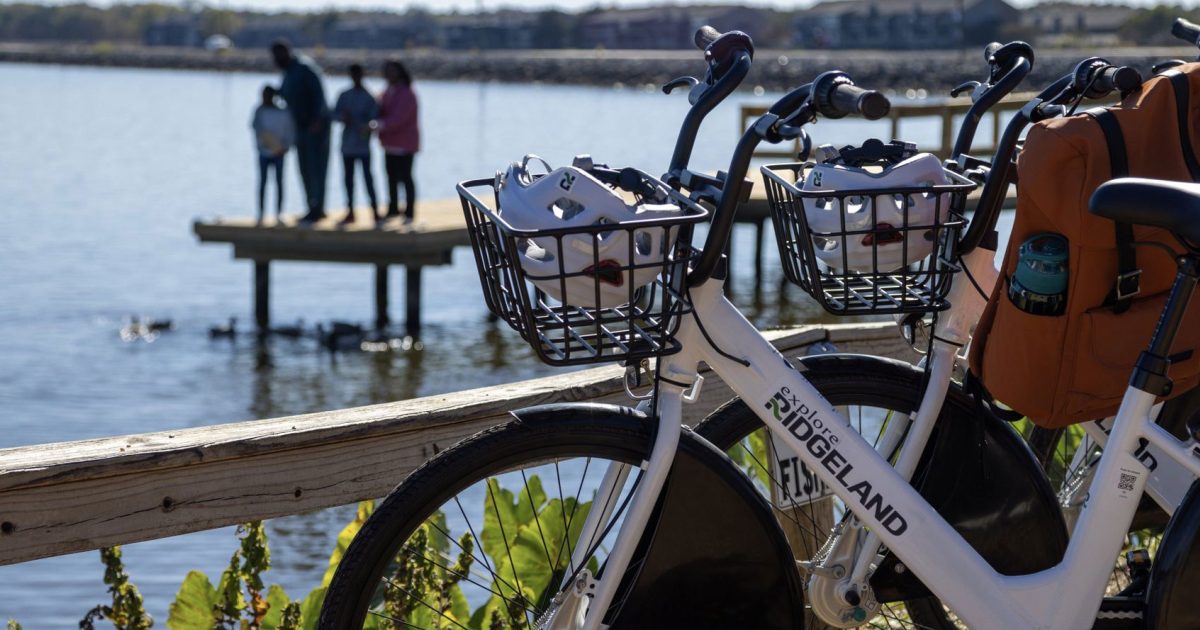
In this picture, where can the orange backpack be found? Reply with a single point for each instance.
(1072, 367)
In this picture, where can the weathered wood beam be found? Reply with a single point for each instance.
(76, 496)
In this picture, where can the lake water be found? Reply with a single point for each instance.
(102, 172)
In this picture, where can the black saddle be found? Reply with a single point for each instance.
(1159, 203)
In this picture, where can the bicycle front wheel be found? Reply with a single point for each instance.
(489, 535)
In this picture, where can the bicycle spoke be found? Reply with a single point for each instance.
(478, 543)
(493, 576)
(425, 604)
(537, 521)
(507, 549)
(468, 579)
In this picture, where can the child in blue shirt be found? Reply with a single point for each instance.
(356, 108)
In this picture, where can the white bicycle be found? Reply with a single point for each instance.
(593, 516)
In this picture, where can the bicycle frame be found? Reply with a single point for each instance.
(879, 495)
(1168, 482)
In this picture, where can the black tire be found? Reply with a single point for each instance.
(848, 381)
(438, 480)
(735, 561)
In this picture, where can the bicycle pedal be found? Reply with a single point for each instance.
(1120, 613)
(1138, 560)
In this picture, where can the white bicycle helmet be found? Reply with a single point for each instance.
(571, 197)
(879, 251)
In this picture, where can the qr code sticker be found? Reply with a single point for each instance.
(1125, 483)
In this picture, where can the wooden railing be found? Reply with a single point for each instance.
(76, 496)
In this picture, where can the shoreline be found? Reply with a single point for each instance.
(935, 71)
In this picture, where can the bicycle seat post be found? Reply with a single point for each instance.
(1150, 372)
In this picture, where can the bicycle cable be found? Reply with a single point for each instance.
(709, 339)
(975, 283)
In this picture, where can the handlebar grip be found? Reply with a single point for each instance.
(705, 36)
(1187, 31)
(1010, 53)
(990, 50)
(851, 99)
(1120, 79)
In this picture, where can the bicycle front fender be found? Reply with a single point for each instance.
(713, 555)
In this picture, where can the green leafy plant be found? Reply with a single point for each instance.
(237, 602)
(126, 611)
(751, 456)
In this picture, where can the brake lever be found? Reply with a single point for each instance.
(1166, 65)
(670, 86)
(963, 87)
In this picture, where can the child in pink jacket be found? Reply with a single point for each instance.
(399, 135)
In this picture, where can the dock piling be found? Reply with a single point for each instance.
(262, 295)
(412, 300)
(381, 296)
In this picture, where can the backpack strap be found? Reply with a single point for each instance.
(1183, 90)
(1127, 284)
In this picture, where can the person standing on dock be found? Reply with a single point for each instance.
(400, 136)
(356, 109)
(274, 133)
(305, 97)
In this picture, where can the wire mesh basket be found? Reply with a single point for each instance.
(620, 307)
(869, 264)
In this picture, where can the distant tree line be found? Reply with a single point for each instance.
(79, 22)
(550, 28)
(1146, 26)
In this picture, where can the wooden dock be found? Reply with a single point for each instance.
(439, 228)
(76, 496)
(430, 240)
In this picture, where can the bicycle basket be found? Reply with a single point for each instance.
(868, 286)
(591, 330)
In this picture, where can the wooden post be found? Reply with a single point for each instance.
(758, 255)
(995, 129)
(947, 131)
(412, 300)
(381, 296)
(262, 295)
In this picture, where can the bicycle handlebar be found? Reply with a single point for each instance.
(1096, 78)
(729, 56)
(1118, 79)
(705, 36)
(1008, 54)
(1092, 78)
(832, 95)
(1187, 31)
(721, 50)
(989, 51)
(846, 98)
(1010, 63)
